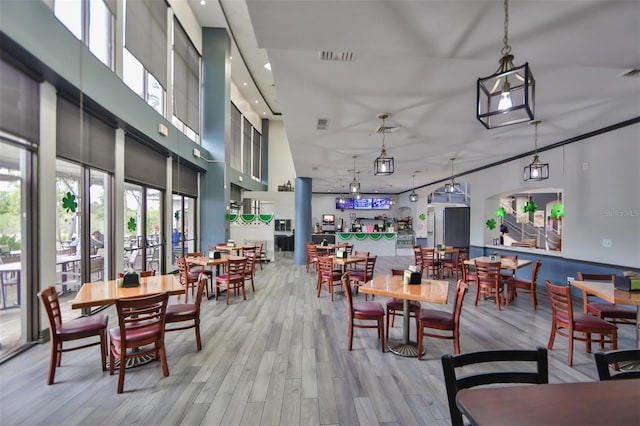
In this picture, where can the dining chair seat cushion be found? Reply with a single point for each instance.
(83, 325)
(138, 334)
(589, 321)
(357, 275)
(611, 310)
(231, 277)
(434, 318)
(368, 308)
(178, 310)
(207, 272)
(193, 275)
(398, 304)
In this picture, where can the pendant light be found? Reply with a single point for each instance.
(536, 170)
(383, 165)
(452, 187)
(358, 194)
(507, 96)
(354, 187)
(342, 199)
(413, 197)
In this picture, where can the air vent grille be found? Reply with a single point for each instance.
(327, 55)
(323, 124)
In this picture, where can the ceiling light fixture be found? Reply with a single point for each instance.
(452, 187)
(358, 194)
(536, 170)
(413, 197)
(383, 165)
(203, 2)
(354, 186)
(508, 96)
(341, 200)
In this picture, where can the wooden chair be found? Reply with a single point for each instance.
(327, 275)
(232, 279)
(488, 280)
(261, 255)
(454, 384)
(468, 275)
(141, 323)
(250, 268)
(451, 263)
(312, 256)
(417, 256)
(141, 274)
(441, 320)
(361, 276)
(604, 310)
(604, 359)
(187, 277)
(431, 263)
(504, 276)
(362, 311)
(80, 328)
(208, 272)
(354, 267)
(514, 284)
(181, 312)
(396, 306)
(565, 323)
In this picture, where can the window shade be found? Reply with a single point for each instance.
(186, 79)
(246, 146)
(19, 103)
(111, 5)
(184, 179)
(93, 146)
(236, 138)
(256, 154)
(143, 164)
(146, 36)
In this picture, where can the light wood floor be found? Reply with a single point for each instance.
(279, 358)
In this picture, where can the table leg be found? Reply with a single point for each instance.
(405, 347)
(634, 365)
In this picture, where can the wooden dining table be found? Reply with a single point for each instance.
(345, 261)
(433, 291)
(610, 402)
(235, 248)
(206, 261)
(102, 293)
(505, 263)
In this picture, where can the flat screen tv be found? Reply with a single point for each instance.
(380, 203)
(348, 203)
(362, 204)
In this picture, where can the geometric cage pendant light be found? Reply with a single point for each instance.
(508, 96)
(452, 187)
(383, 165)
(354, 186)
(536, 170)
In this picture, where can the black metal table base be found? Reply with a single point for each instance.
(404, 349)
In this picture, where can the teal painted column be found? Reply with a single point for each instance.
(216, 124)
(303, 219)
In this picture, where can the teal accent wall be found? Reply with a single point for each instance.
(303, 219)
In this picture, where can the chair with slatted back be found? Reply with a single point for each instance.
(312, 256)
(80, 328)
(430, 263)
(604, 310)
(327, 274)
(514, 284)
(140, 333)
(208, 272)
(454, 383)
(451, 262)
(187, 312)
(250, 268)
(362, 276)
(573, 326)
(260, 253)
(443, 321)
(488, 281)
(396, 306)
(605, 359)
(417, 257)
(468, 273)
(504, 276)
(232, 279)
(362, 311)
(186, 276)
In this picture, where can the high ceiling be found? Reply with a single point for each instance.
(419, 61)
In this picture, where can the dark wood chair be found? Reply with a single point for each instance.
(80, 328)
(362, 311)
(208, 272)
(327, 275)
(140, 323)
(183, 312)
(232, 279)
(250, 268)
(605, 359)
(504, 276)
(430, 263)
(417, 257)
(451, 263)
(187, 277)
(566, 323)
(441, 320)
(312, 256)
(514, 284)
(361, 276)
(454, 384)
(396, 306)
(607, 311)
(468, 274)
(488, 281)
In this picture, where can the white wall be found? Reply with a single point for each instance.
(281, 168)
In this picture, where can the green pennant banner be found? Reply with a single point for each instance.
(345, 235)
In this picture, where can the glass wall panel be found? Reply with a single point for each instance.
(133, 209)
(155, 240)
(98, 224)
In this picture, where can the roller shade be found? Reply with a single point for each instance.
(184, 179)
(146, 36)
(143, 164)
(94, 146)
(19, 100)
(186, 79)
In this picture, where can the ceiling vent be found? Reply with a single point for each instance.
(632, 73)
(323, 124)
(326, 55)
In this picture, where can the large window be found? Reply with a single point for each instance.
(183, 238)
(236, 138)
(92, 22)
(256, 154)
(143, 238)
(186, 84)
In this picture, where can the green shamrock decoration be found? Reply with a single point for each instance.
(69, 203)
(491, 223)
(557, 211)
(422, 216)
(177, 215)
(501, 212)
(529, 207)
(131, 225)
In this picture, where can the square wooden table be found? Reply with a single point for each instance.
(504, 262)
(433, 291)
(209, 261)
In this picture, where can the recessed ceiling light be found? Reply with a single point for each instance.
(244, 84)
(230, 57)
(203, 2)
(264, 112)
(256, 101)
(268, 66)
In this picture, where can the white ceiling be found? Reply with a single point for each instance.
(419, 61)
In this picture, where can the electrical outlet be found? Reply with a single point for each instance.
(570, 280)
(585, 166)
(606, 242)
